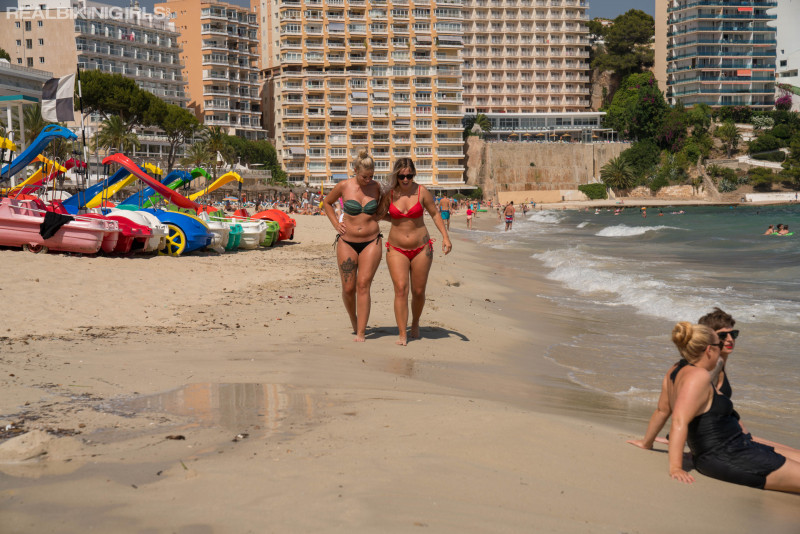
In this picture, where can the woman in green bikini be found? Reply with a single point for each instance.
(358, 241)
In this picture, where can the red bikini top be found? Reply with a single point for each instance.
(415, 212)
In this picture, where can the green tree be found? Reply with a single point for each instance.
(481, 120)
(114, 134)
(114, 94)
(699, 118)
(627, 44)
(642, 158)
(179, 126)
(596, 27)
(729, 135)
(197, 155)
(4, 55)
(617, 174)
(638, 107)
(216, 141)
(33, 122)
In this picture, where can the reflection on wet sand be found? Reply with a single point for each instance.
(232, 406)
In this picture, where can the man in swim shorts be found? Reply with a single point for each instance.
(445, 204)
(508, 212)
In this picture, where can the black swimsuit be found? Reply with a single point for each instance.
(721, 450)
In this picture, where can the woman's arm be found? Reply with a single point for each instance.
(692, 397)
(327, 205)
(658, 419)
(429, 204)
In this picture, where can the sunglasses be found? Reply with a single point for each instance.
(405, 176)
(734, 334)
(720, 345)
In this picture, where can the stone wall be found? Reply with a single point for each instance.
(543, 172)
(672, 192)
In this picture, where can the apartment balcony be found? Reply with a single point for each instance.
(721, 3)
(444, 139)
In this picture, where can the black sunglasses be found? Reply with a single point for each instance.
(734, 334)
(720, 345)
(405, 176)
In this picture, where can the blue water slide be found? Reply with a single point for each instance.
(139, 199)
(74, 203)
(50, 132)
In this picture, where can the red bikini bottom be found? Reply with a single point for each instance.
(411, 254)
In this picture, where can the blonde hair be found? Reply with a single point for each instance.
(400, 164)
(692, 339)
(364, 161)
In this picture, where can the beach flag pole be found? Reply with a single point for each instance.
(85, 149)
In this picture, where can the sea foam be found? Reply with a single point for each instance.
(622, 230)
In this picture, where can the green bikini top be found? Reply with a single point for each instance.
(353, 207)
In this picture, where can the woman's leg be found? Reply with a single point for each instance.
(347, 259)
(368, 263)
(787, 478)
(420, 267)
(399, 266)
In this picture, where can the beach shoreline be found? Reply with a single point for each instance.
(289, 426)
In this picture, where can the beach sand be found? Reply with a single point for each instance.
(209, 394)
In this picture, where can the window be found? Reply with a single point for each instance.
(28, 43)
(40, 23)
(41, 60)
(41, 42)
(16, 24)
(30, 62)
(19, 42)
(19, 61)
(27, 25)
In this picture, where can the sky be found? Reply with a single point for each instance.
(597, 8)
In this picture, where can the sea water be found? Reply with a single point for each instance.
(627, 279)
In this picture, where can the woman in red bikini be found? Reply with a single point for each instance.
(409, 247)
(358, 239)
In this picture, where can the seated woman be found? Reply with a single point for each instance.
(358, 239)
(409, 246)
(705, 418)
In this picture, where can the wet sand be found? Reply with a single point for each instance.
(289, 426)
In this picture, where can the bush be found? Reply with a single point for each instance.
(781, 131)
(594, 191)
(764, 143)
(658, 182)
(642, 157)
(776, 156)
(784, 103)
(726, 186)
(762, 178)
(740, 114)
(762, 122)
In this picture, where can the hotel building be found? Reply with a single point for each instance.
(526, 64)
(720, 53)
(60, 35)
(220, 62)
(788, 48)
(379, 74)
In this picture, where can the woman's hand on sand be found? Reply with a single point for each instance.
(681, 476)
(640, 443)
(447, 246)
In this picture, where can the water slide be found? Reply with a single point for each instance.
(219, 182)
(148, 197)
(49, 170)
(76, 201)
(48, 133)
(173, 196)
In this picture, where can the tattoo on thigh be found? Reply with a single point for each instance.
(348, 269)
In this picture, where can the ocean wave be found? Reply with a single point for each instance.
(622, 230)
(583, 224)
(546, 217)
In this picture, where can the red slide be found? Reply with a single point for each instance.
(173, 196)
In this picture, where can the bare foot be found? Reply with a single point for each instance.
(360, 338)
(414, 334)
(401, 341)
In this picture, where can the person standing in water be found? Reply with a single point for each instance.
(508, 212)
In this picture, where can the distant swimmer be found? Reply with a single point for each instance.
(770, 230)
(784, 230)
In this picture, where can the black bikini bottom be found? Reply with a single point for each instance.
(358, 246)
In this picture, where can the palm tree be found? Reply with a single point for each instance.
(197, 155)
(477, 125)
(33, 122)
(216, 143)
(617, 174)
(483, 122)
(729, 135)
(114, 135)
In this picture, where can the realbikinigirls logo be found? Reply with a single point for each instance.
(83, 11)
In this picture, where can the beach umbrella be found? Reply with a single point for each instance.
(513, 134)
(540, 135)
(231, 199)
